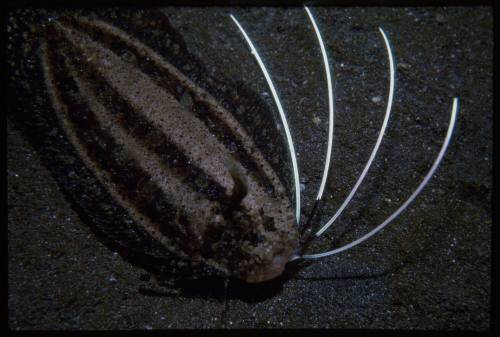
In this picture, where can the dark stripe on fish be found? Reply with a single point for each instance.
(132, 183)
(150, 136)
(193, 102)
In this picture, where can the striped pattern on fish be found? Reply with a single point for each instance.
(171, 157)
(162, 162)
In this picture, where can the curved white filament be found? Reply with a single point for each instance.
(283, 118)
(379, 139)
(407, 202)
(330, 106)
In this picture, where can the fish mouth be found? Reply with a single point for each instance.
(271, 271)
(276, 268)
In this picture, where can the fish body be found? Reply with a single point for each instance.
(166, 151)
(178, 165)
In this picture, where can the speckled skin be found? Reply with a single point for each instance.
(165, 149)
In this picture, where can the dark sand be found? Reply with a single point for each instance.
(430, 269)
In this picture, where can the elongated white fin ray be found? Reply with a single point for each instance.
(330, 106)
(394, 215)
(379, 139)
(282, 115)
